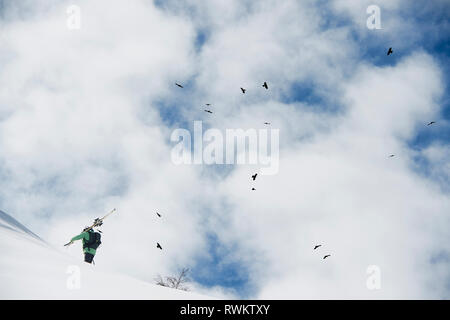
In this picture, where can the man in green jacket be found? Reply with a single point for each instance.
(89, 243)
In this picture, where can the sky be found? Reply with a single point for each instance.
(86, 116)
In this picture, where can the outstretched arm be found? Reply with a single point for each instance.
(78, 237)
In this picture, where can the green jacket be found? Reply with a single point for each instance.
(85, 236)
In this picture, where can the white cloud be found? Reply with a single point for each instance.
(342, 190)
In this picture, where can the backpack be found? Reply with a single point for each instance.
(93, 242)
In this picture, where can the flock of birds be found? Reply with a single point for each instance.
(266, 86)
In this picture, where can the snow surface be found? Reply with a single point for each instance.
(32, 269)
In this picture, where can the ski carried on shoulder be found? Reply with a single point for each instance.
(97, 223)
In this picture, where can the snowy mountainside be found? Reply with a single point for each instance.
(32, 269)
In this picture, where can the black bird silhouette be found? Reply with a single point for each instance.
(209, 111)
(254, 176)
(265, 85)
(327, 256)
(319, 245)
(179, 85)
(432, 122)
(390, 51)
(391, 155)
(158, 214)
(267, 123)
(158, 246)
(253, 189)
(208, 104)
(243, 90)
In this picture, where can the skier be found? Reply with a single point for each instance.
(91, 241)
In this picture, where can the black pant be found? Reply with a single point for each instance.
(88, 257)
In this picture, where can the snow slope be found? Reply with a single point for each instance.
(32, 269)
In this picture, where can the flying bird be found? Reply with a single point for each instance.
(253, 189)
(391, 155)
(327, 256)
(209, 111)
(158, 246)
(317, 246)
(432, 122)
(208, 104)
(390, 51)
(243, 90)
(158, 214)
(179, 85)
(267, 123)
(254, 176)
(265, 85)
